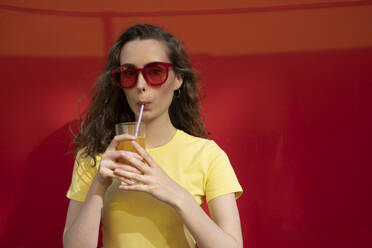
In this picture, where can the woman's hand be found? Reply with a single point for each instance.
(110, 162)
(152, 180)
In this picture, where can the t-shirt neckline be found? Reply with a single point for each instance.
(170, 142)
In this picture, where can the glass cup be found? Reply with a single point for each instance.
(126, 145)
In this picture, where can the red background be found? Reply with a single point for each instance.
(286, 94)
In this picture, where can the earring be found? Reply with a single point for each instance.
(177, 93)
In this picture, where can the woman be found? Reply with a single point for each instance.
(177, 171)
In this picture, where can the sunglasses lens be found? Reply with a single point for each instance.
(128, 76)
(156, 73)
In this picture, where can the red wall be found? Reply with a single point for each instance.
(296, 126)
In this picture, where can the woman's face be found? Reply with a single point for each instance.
(156, 99)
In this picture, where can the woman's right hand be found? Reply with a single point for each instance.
(110, 162)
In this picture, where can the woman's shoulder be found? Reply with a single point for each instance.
(82, 158)
(189, 138)
(198, 142)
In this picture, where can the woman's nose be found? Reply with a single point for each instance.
(141, 82)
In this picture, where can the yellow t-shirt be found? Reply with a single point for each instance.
(136, 219)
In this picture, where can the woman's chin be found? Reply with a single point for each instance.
(145, 117)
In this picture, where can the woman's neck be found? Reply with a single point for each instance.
(159, 132)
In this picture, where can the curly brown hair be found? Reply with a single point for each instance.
(109, 105)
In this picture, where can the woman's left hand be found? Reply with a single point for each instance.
(154, 180)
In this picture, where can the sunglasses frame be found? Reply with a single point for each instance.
(137, 70)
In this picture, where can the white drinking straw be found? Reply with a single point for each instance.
(139, 120)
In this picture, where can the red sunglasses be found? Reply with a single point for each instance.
(155, 74)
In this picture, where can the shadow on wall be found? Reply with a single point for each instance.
(38, 220)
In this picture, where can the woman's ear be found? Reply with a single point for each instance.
(178, 82)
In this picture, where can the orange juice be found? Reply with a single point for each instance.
(132, 128)
(127, 146)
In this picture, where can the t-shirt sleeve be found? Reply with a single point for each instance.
(221, 178)
(82, 177)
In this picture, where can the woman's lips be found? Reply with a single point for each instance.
(146, 104)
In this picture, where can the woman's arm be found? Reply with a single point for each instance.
(225, 213)
(223, 231)
(82, 221)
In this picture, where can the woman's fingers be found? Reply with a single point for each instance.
(116, 155)
(114, 164)
(133, 154)
(128, 168)
(126, 180)
(148, 159)
(114, 173)
(136, 163)
(135, 187)
(110, 156)
(105, 174)
(130, 175)
(114, 160)
(110, 162)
